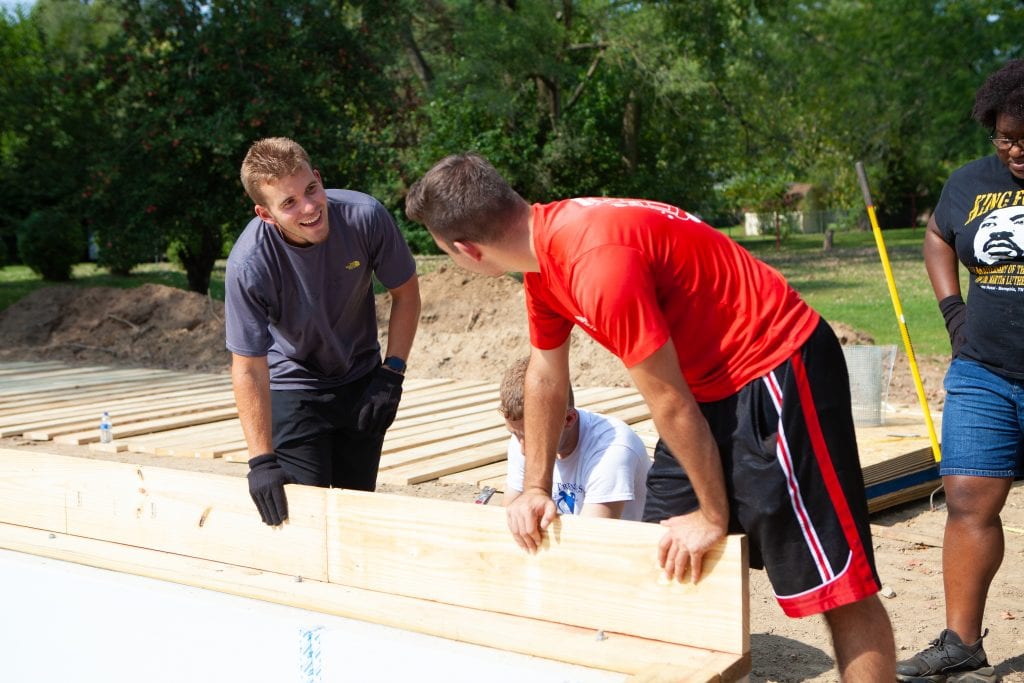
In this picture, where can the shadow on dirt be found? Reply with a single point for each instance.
(777, 658)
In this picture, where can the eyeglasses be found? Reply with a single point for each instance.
(1004, 144)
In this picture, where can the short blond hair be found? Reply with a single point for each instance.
(513, 389)
(268, 160)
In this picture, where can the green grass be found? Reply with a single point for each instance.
(847, 284)
(17, 281)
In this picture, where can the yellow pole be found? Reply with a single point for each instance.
(894, 295)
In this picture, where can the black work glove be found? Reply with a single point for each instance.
(954, 312)
(266, 486)
(380, 401)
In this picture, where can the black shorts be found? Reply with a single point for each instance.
(793, 479)
(316, 440)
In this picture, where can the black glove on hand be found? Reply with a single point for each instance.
(266, 486)
(954, 312)
(380, 401)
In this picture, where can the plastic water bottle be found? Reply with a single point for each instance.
(106, 429)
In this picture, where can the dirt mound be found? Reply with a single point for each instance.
(148, 326)
(471, 327)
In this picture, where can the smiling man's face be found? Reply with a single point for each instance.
(297, 206)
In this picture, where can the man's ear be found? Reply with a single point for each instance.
(264, 215)
(470, 249)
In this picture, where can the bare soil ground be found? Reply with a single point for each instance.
(471, 328)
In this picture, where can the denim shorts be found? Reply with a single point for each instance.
(982, 423)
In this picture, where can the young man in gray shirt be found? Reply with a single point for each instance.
(314, 397)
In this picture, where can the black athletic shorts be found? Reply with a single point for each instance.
(793, 479)
(316, 440)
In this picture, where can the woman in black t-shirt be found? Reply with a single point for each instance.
(979, 222)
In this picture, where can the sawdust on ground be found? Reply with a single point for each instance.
(471, 328)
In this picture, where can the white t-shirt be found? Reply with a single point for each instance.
(608, 465)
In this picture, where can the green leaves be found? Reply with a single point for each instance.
(134, 116)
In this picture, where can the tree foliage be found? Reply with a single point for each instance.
(50, 242)
(192, 84)
(133, 115)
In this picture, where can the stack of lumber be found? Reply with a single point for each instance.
(593, 595)
(445, 430)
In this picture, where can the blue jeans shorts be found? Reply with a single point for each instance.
(982, 423)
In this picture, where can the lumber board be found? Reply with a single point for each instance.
(445, 552)
(189, 513)
(488, 437)
(74, 378)
(208, 448)
(221, 450)
(241, 455)
(904, 495)
(440, 431)
(404, 426)
(45, 374)
(476, 475)
(631, 414)
(609, 405)
(441, 465)
(126, 423)
(113, 399)
(45, 426)
(462, 554)
(457, 397)
(147, 426)
(35, 401)
(497, 483)
(184, 439)
(414, 385)
(22, 365)
(617, 652)
(460, 390)
(33, 488)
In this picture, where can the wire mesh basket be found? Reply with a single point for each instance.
(870, 369)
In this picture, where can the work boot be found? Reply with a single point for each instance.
(948, 659)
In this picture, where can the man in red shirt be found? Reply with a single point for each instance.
(746, 383)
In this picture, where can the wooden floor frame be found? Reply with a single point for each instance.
(592, 596)
(445, 430)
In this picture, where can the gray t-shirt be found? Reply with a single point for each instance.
(311, 310)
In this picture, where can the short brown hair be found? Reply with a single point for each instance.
(268, 160)
(513, 389)
(464, 198)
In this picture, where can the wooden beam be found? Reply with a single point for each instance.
(147, 426)
(188, 513)
(593, 574)
(615, 652)
(598, 574)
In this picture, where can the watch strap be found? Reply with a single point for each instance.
(395, 364)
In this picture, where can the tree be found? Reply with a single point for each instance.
(811, 88)
(566, 98)
(48, 121)
(192, 84)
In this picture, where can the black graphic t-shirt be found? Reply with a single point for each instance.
(981, 215)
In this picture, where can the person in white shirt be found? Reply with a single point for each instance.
(601, 464)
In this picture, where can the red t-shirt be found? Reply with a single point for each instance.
(633, 273)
